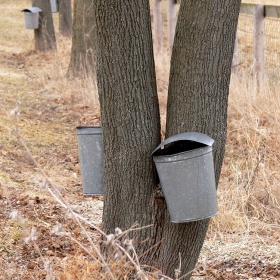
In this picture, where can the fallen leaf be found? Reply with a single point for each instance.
(50, 253)
(31, 265)
(56, 245)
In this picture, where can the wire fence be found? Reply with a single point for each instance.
(272, 47)
(267, 60)
(245, 35)
(245, 41)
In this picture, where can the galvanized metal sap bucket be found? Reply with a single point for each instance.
(31, 17)
(186, 172)
(54, 6)
(91, 159)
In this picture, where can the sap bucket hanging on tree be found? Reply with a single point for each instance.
(31, 17)
(54, 6)
(91, 159)
(186, 172)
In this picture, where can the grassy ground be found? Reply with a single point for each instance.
(243, 241)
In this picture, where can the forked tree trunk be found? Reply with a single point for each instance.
(65, 18)
(44, 35)
(83, 39)
(198, 91)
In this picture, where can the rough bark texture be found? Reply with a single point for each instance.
(65, 18)
(44, 35)
(198, 91)
(197, 101)
(83, 39)
(129, 114)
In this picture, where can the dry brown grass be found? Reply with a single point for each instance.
(249, 196)
(162, 64)
(52, 105)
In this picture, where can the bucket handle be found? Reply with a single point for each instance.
(192, 136)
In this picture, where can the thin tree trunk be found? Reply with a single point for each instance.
(258, 47)
(65, 18)
(197, 101)
(83, 39)
(44, 35)
(234, 66)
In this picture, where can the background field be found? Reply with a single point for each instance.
(243, 241)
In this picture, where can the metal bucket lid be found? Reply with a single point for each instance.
(88, 130)
(32, 10)
(188, 136)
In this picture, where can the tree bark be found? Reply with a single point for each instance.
(83, 39)
(129, 114)
(44, 35)
(198, 92)
(65, 18)
(197, 101)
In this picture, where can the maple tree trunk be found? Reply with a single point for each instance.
(65, 18)
(197, 101)
(44, 35)
(83, 39)
(129, 113)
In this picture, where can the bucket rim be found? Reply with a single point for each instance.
(191, 136)
(88, 130)
(87, 126)
(32, 10)
(194, 219)
(161, 158)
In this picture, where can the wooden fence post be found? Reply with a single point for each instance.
(234, 65)
(258, 47)
(171, 21)
(157, 19)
